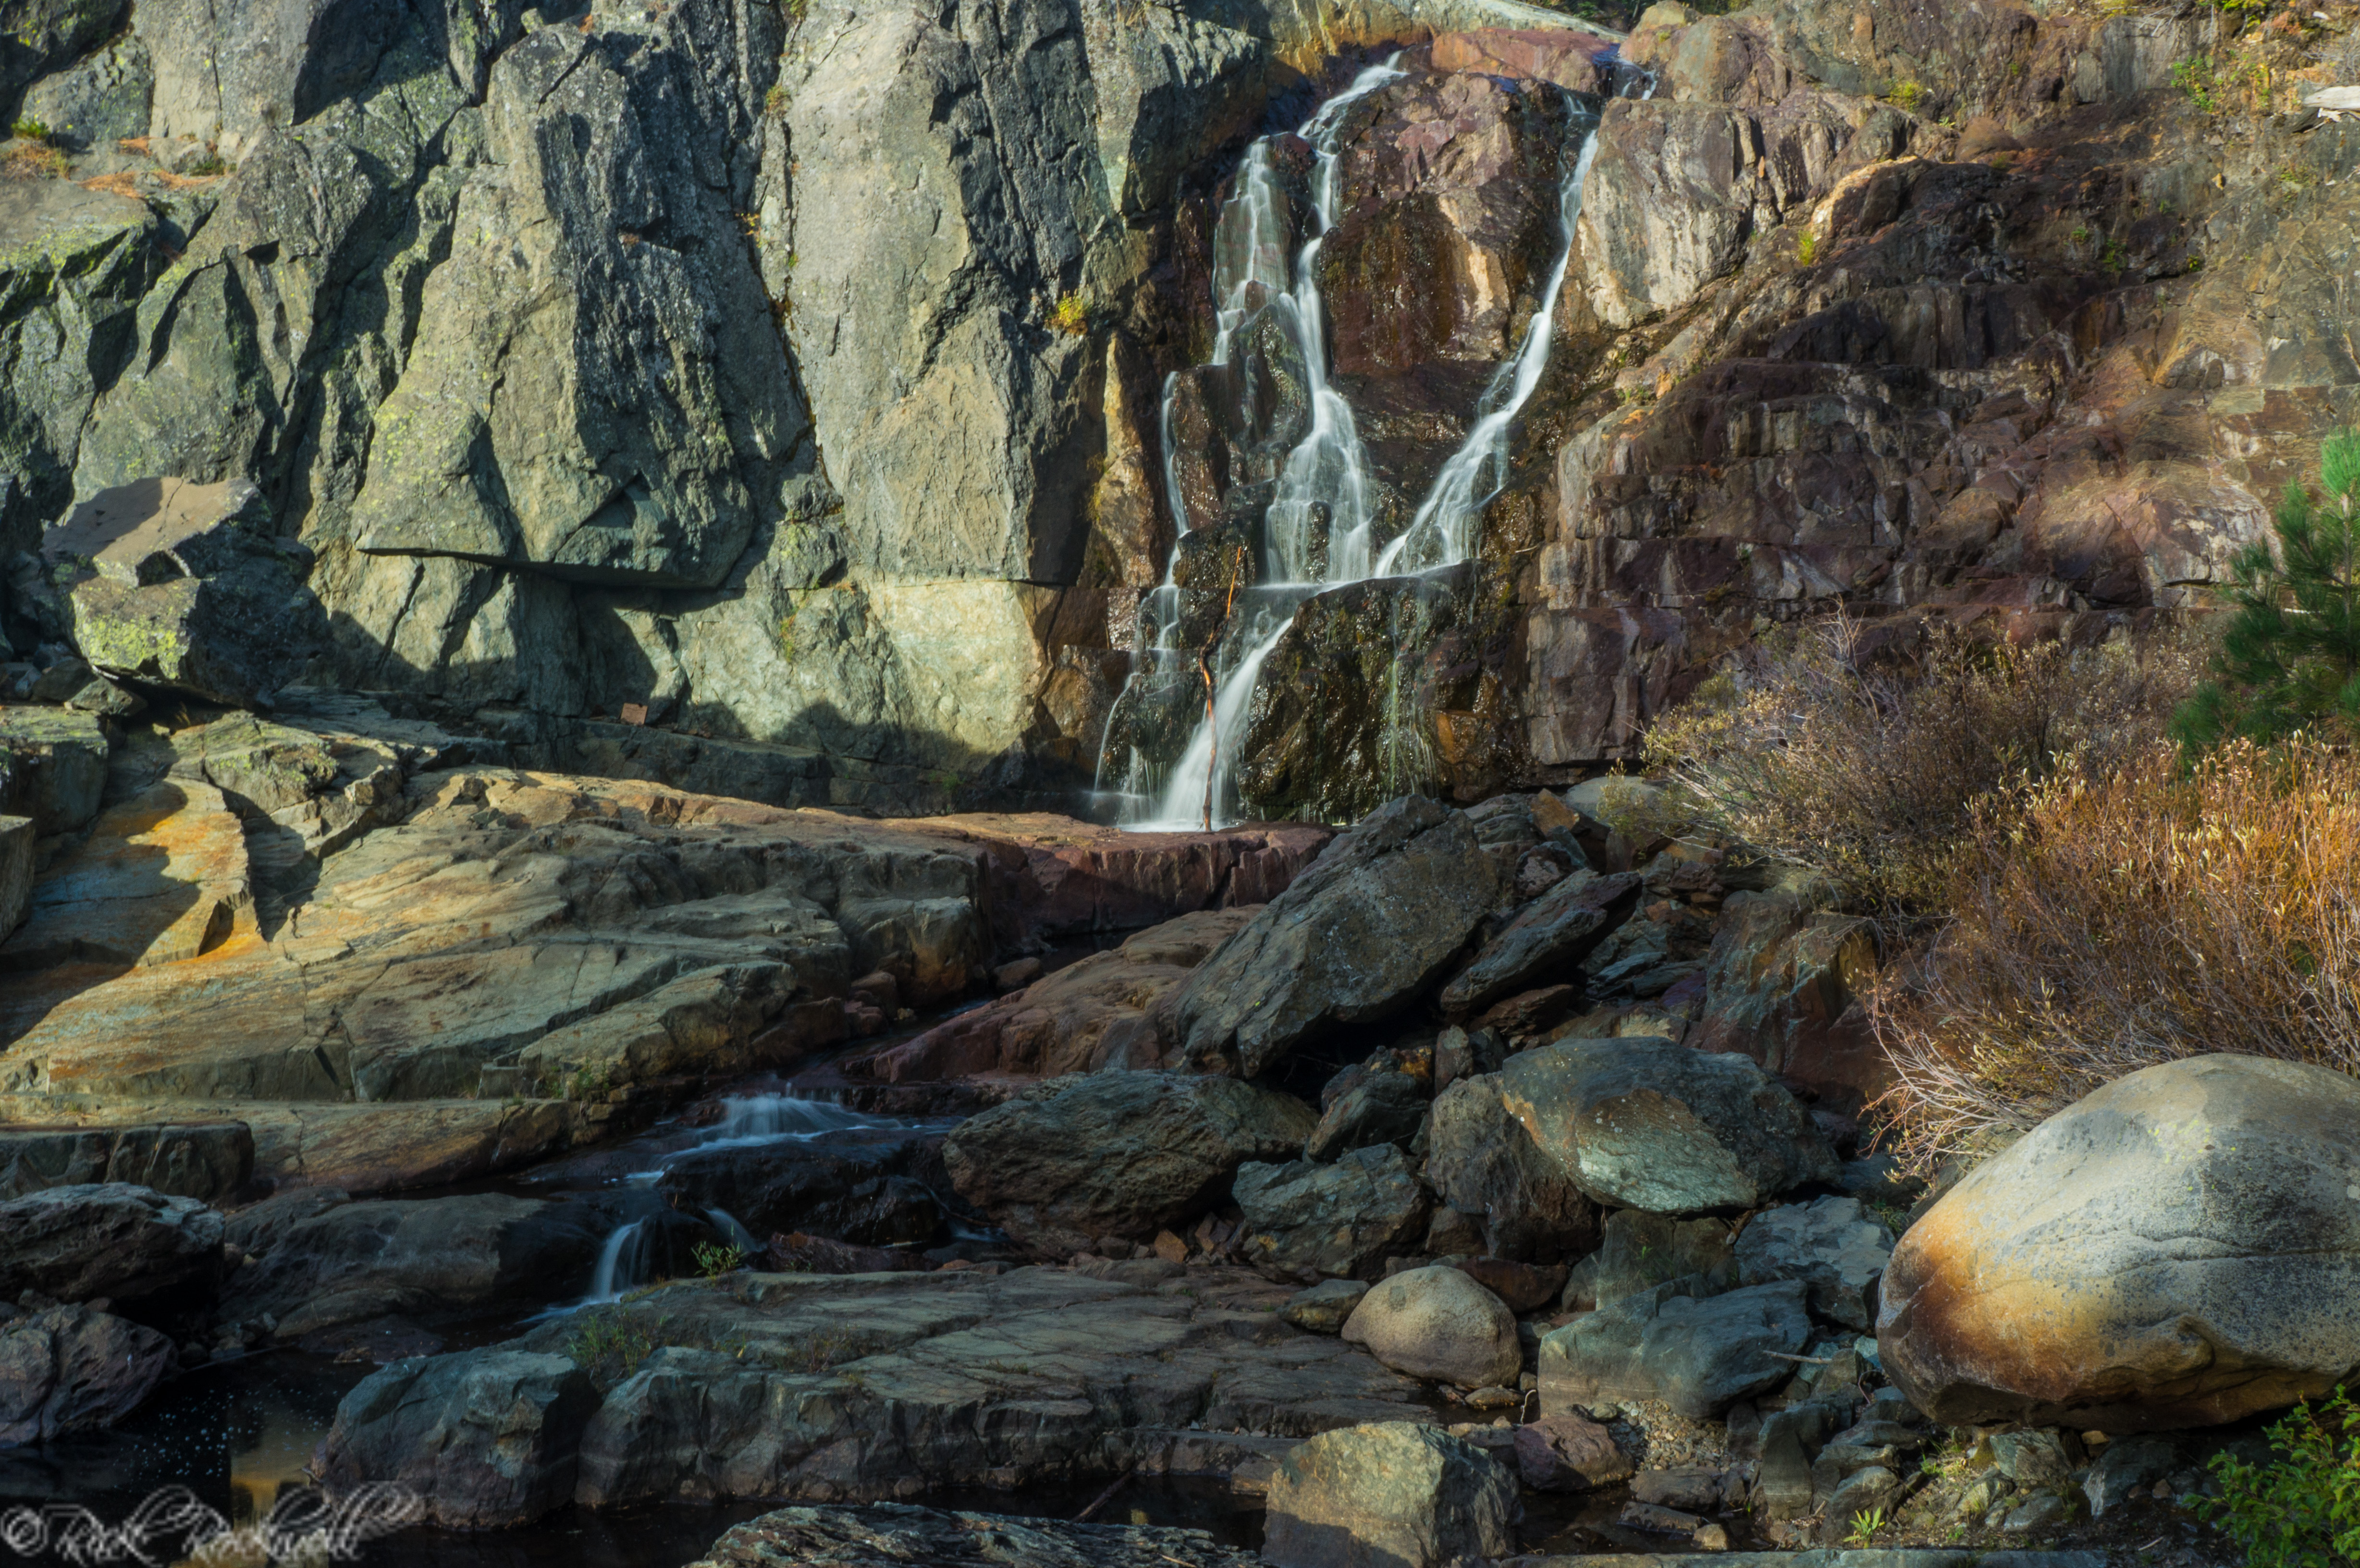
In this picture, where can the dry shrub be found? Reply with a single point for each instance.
(33, 160)
(2111, 920)
(1868, 769)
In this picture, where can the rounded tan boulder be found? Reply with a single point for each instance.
(1439, 1325)
(2181, 1247)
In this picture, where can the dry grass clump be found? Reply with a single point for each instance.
(2170, 906)
(33, 160)
(1869, 769)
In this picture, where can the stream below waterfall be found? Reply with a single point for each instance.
(1319, 532)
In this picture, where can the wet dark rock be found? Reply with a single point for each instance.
(485, 1438)
(792, 1252)
(109, 1239)
(1698, 1355)
(1306, 1220)
(861, 1188)
(1357, 937)
(419, 1258)
(1546, 940)
(1119, 1154)
(1831, 1246)
(1391, 1494)
(72, 1369)
(894, 1535)
(1526, 1287)
(1384, 1107)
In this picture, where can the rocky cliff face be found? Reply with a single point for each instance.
(775, 393)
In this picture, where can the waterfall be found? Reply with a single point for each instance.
(622, 1263)
(1317, 532)
(1322, 490)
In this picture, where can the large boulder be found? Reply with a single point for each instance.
(1383, 1107)
(867, 1188)
(1831, 1245)
(1306, 1220)
(2177, 1248)
(1360, 935)
(412, 1257)
(1390, 1496)
(1117, 1154)
(1548, 937)
(71, 1369)
(487, 1438)
(107, 1239)
(1698, 1355)
(1437, 1323)
(1643, 1123)
(1484, 1160)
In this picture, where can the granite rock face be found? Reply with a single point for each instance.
(485, 1438)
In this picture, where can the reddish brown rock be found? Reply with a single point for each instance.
(1067, 1021)
(1568, 1453)
(1568, 60)
(1783, 985)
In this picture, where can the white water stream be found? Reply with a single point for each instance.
(1317, 530)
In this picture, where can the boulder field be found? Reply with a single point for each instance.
(1412, 1287)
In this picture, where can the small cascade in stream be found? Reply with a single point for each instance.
(1317, 530)
(622, 1263)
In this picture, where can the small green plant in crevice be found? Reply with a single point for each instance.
(795, 10)
(2196, 79)
(2295, 177)
(2113, 257)
(616, 1338)
(212, 164)
(1806, 247)
(774, 101)
(2304, 1508)
(1072, 315)
(1865, 1526)
(2080, 236)
(1908, 95)
(715, 1258)
(29, 129)
(588, 1082)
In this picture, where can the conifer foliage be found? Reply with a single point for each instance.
(2290, 658)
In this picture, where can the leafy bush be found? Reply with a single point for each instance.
(1908, 95)
(2290, 658)
(2154, 908)
(1806, 247)
(2194, 76)
(1072, 315)
(27, 129)
(2304, 1510)
(1867, 767)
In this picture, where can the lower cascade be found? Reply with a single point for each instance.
(1319, 529)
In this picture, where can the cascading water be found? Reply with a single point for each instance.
(1325, 479)
(627, 1260)
(1318, 529)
